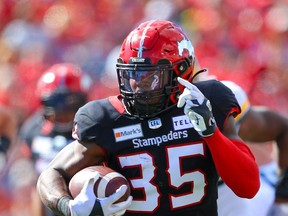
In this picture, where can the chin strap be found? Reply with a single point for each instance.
(198, 72)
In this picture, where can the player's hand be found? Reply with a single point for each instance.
(86, 203)
(197, 108)
(282, 188)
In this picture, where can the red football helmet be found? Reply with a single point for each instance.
(63, 88)
(151, 58)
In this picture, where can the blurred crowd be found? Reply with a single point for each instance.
(244, 41)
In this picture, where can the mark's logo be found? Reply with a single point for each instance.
(128, 132)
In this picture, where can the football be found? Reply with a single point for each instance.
(108, 182)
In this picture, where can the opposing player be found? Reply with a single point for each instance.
(257, 124)
(62, 89)
(172, 159)
(262, 127)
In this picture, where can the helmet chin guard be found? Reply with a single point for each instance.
(151, 58)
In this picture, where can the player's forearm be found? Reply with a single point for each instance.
(53, 191)
(235, 164)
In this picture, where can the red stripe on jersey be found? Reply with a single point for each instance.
(117, 104)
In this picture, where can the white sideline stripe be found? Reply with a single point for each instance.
(143, 38)
(104, 181)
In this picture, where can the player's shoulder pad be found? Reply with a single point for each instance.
(31, 125)
(241, 97)
(213, 89)
(239, 92)
(91, 112)
(92, 118)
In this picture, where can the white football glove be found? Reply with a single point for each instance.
(86, 203)
(197, 108)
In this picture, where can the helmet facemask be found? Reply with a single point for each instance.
(61, 106)
(61, 102)
(145, 87)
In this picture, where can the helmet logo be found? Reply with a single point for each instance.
(143, 37)
(185, 44)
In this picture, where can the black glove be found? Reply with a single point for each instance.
(282, 187)
(197, 108)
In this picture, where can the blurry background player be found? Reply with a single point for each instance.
(257, 124)
(62, 89)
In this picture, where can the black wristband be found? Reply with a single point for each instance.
(63, 206)
(282, 185)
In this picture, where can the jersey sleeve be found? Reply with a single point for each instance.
(241, 97)
(85, 126)
(93, 120)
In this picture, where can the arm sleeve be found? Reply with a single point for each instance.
(235, 164)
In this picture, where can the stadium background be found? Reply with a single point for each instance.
(244, 41)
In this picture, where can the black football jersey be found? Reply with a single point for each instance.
(43, 140)
(168, 165)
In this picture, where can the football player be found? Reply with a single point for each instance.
(62, 89)
(170, 138)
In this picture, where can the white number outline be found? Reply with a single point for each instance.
(176, 177)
